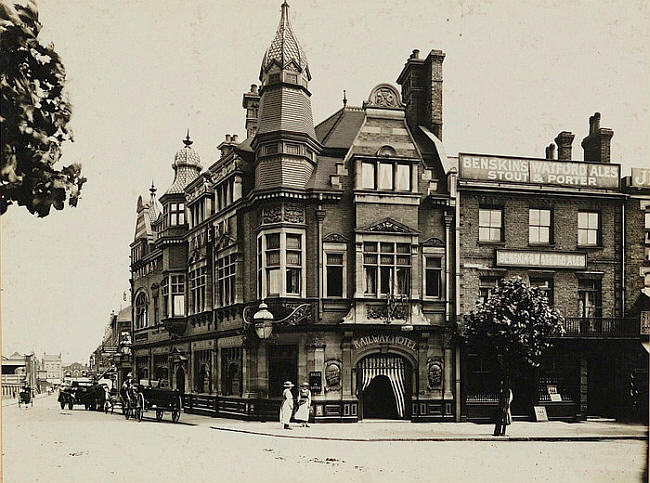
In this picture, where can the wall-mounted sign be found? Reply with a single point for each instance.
(535, 259)
(316, 382)
(434, 374)
(641, 177)
(383, 339)
(539, 171)
(333, 375)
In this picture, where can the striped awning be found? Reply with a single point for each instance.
(385, 365)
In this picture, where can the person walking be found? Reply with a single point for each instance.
(304, 403)
(286, 410)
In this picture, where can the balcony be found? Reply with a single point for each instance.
(601, 327)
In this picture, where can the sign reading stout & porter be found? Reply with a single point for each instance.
(539, 171)
(535, 259)
(383, 339)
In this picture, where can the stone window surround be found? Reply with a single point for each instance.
(337, 248)
(229, 252)
(377, 160)
(283, 231)
(435, 252)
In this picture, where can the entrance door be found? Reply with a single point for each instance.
(600, 385)
(384, 386)
(283, 366)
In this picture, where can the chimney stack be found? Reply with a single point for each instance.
(564, 141)
(597, 144)
(251, 102)
(228, 145)
(421, 82)
(550, 151)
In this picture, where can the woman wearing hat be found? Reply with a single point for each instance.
(304, 403)
(286, 410)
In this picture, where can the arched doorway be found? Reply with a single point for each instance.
(384, 386)
(180, 379)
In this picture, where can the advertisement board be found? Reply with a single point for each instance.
(539, 259)
(539, 171)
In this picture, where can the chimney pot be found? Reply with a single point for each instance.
(234, 138)
(253, 89)
(564, 141)
(415, 54)
(227, 138)
(550, 151)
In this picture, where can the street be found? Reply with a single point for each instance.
(45, 443)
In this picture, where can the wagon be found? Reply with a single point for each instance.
(92, 396)
(143, 398)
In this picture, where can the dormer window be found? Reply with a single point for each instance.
(386, 176)
(274, 78)
(176, 214)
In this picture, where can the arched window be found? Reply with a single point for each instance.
(141, 311)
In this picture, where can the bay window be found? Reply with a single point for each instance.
(173, 294)
(281, 258)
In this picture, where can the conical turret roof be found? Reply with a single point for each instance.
(187, 166)
(285, 50)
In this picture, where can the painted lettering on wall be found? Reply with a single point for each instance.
(515, 258)
(641, 177)
(383, 339)
(539, 171)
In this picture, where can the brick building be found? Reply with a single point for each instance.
(342, 254)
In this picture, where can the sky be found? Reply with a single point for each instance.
(142, 72)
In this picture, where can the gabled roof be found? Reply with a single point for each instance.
(340, 129)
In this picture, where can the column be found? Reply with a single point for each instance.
(449, 362)
(346, 369)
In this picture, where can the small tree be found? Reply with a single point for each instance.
(34, 113)
(513, 327)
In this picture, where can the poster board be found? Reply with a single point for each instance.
(540, 414)
(315, 382)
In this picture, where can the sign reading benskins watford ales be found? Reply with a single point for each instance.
(535, 259)
(539, 171)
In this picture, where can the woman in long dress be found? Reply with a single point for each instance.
(286, 410)
(304, 403)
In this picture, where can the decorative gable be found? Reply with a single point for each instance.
(433, 242)
(335, 237)
(388, 225)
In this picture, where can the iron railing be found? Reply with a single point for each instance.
(601, 327)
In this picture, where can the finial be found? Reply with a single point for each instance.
(187, 141)
(152, 190)
(345, 98)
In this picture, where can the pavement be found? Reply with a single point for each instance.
(14, 401)
(383, 430)
(79, 446)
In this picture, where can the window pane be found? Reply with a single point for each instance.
(387, 259)
(484, 234)
(647, 221)
(533, 234)
(583, 220)
(591, 239)
(582, 237)
(273, 240)
(293, 241)
(432, 282)
(403, 248)
(370, 247)
(370, 259)
(386, 279)
(545, 217)
(544, 235)
(371, 280)
(272, 258)
(334, 281)
(387, 248)
(368, 175)
(593, 220)
(179, 305)
(403, 181)
(404, 260)
(273, 281)
(495, 218)
(434, 262)
(293, 258)
(385, 176)
(293, 280)
(483, 218)
(495, 234)
(403, 280)
(335, 259)
(533, 217)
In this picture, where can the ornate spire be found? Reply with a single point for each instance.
(345, 98)
(285, 49)
(152, 190)
(187, 141)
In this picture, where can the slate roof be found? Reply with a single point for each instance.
(285, 49)
(340, 129)
(320, 178)
(124, 315)
(187, 166)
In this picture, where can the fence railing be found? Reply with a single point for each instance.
(601, 327)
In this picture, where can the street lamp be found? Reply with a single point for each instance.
(263, 320)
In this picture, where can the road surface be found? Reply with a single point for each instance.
(47, 444)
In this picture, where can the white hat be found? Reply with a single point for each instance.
(288, 384)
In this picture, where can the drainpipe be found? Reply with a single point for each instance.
(455, 193)
(623, 259)
(320, 216)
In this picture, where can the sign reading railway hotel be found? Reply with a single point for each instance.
(383, 339)
(539, 171)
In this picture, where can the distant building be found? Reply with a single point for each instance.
(52, 366)
(76, 369)
(18, 369)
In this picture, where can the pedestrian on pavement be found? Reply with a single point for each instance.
(304, 403)
(508, 411)
(286, 410)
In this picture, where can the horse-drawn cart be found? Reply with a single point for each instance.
(142, 397)
(25, 397)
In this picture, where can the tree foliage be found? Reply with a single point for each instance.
(514, 327)
(34, 113)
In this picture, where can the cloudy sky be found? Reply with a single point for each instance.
(140, 72)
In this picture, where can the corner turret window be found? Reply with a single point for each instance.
(281, 258)
(176, 214)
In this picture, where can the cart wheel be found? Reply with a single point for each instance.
(176, 413)
(159, 414)
(70, 404)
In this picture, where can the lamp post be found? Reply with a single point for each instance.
(263, 320)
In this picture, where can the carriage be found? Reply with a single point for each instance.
(25, 397)
(148, 396)
(82, 391)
